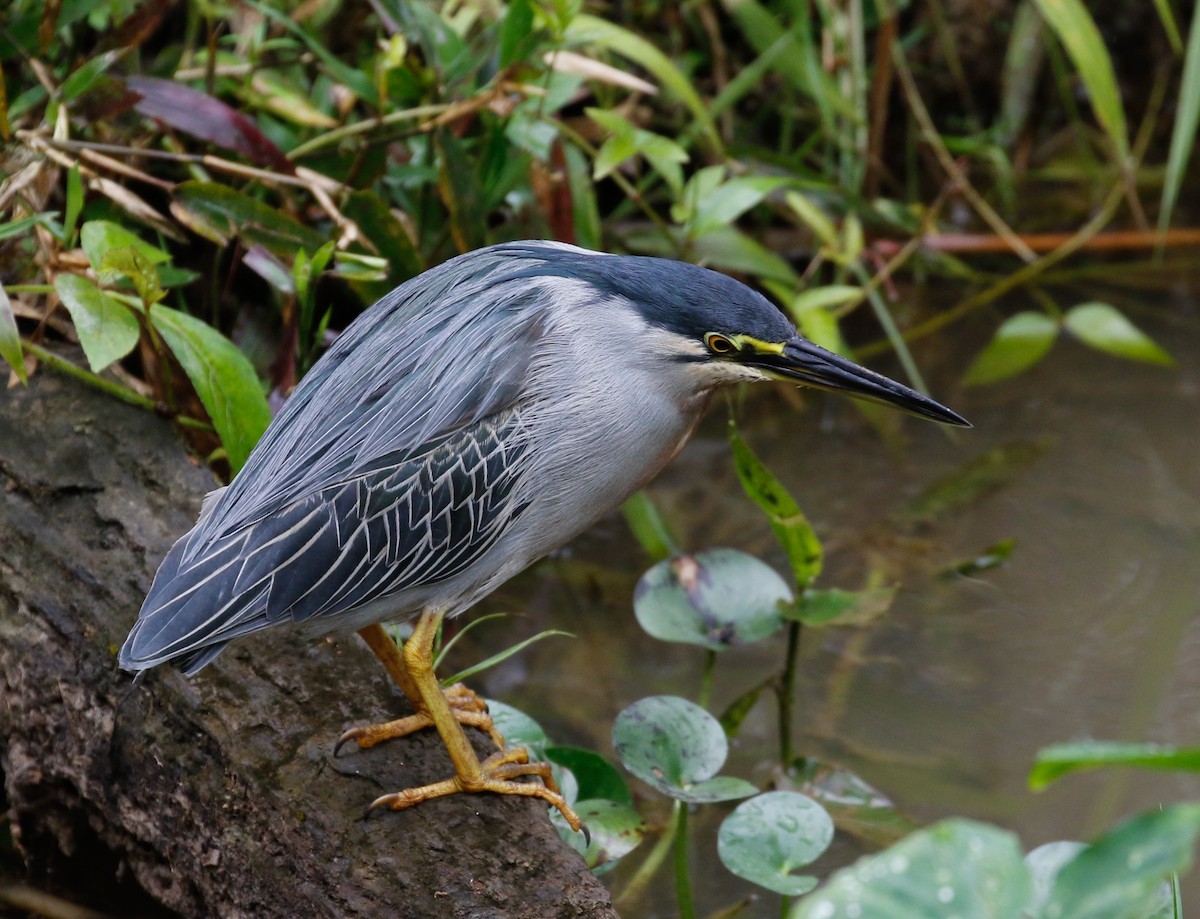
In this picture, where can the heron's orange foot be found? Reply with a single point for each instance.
(498, 774)
(467, 707)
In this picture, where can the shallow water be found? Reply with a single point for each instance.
(1089, 630)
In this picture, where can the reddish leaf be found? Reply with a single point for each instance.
(202, 116)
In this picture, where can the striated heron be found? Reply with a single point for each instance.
(473, 420)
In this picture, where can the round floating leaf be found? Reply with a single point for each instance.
(766, 838)
(616, 830)
(954, 868)
(676, 747)
(1019, 343)
(1105, 328)
(715, 599)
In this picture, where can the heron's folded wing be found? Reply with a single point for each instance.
(394, 526)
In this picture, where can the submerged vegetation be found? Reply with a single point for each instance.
(197, 194)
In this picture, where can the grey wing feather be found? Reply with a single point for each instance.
(419, 521)
(391, 466)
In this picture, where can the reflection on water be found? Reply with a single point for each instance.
(1090, 630)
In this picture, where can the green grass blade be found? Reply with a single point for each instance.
(10, 338)
(1081, 38)
(1183, 137)
(1170, 26)
(501, 656)
(585, 28)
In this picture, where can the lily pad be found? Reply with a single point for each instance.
(677, 747)
(615, 829)
(954, 868)
(768, 837)
(716, 599)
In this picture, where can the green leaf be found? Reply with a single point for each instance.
(1078, 33)
(23, 225)
(74, 203)
(626, 141)
(791, 527)
(1062, 759)
(827, 608)
(648, 526)
(1183, 132)
(814, 218)
(768, 837)
(992, 556)
(107, 329)
(501, 656)
(99, 237)
(585, 29)
(355, 80)
(1105, 328)
(612, 153)
(1121, 874)
(597, 777)
(716, 599)
(733, 251)
(220, 214)
(676, 747)
(616, 829)
(728, 201)
(518, 729)
(387, 235)
(10, 338)
(585, 211)
(856, 807)
(822, 298)
(957, 867)
(1020, 342)
(516, 31)
(737, 710)
(1044, 863)
(131, 263)
(85, 77)
(227, 385)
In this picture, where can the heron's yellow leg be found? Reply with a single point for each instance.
(498, 773)
(468, 708)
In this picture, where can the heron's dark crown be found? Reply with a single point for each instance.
(676, 296)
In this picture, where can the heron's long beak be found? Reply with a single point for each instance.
(803, 362)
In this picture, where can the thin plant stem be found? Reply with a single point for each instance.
(706, 678)
(683, 879)
(66, 368)
(787, 695)
(108, 387)
(1023, 275)
(650, 865)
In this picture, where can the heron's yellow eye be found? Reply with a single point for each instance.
(719, 344)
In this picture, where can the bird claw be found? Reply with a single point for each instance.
(498, 774)
(468, 709)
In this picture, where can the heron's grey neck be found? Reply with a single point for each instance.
(609, 402)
